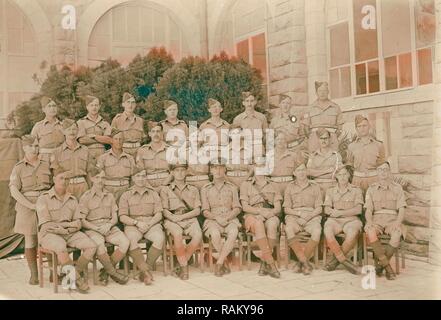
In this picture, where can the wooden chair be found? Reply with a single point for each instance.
(384, 238)
(199, 254)
(252, 246)
(238, 247)
(341, 236)
(304, 237)
(54, 268)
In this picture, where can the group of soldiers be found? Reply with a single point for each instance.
(71, 192)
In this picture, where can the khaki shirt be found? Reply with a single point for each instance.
(284, 164)
(174, 198)
(221, 130)
(255, 120)
(301, 197)
(220, 201)
(140, 202)
(328, 117)
(49, 135)
(133, 128)
(292, 130)
(319, 160)
(152, 161)
(257, 196)
(390, 197)
(50, 208)
(116, 167)
(241, 164)
(343, 199)
(366, 156)
(26, 177)
(97, 207)
(167, 126)
(77, 161)
(89, 128)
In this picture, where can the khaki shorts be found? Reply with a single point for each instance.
(210, 225)
(345, 225)
(115, 237)
(295, 225)
(154, 234)
(60, 243)
(382, 223)
(189, 227)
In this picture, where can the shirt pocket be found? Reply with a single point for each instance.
(27, 179)
(82, 161)
(43, 177)
(391, 200)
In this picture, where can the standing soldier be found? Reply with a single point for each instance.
(48, 131)
(152, 157)
(129, 123)
(73, 157)
(323, 114)
(323, 162)
(385, 203)
(29, 179)
(93, 131)
(218, 126)
(262, 205)
(239, 166)
(343, 204)
(303, 208)
(173, 123)
(117, 165)
(182, 206)
(289, 124)
(365, 154)
(59, 228)
(220, 207)
(99, 215)
(140, 211)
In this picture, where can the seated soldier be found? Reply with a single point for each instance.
(262, 205)
(140, 211)
(99, 215)
(343, 203)
(385, 203)
(182, 206)
(220, 207)
(303, 208)
(59, 228)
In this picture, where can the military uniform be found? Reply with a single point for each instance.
(329, 160)
(254, 120)
(78, 162)
(118, 170)
(133, 129)
(49, 136)
(365, 157)
(282, 173)
(88, 129)
(167, 126)
(221, 130)
(155, 163)
(237, 173)
(294, 131)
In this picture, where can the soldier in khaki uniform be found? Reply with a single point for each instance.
(323, 114)
(75, 158)
(59, 224)
(385, 203)
(152, 157)
(365, 154)
(303, 208)
(220, 207)
(99, 215)
(117, 165)
(29, 179)
(323, 162)
(215, 126)
(289, 124)
(182, 206)
(140, 211)
(262, 205)
(173, 123)
(48, 131)
(131, 124)
(343, 204)
(93, 131)
(239, 165)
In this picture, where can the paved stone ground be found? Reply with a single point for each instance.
(419, 280)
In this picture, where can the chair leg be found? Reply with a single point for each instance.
(240, 254)
(201, 257)
(356, 252)
(94, 271)
(325, 252)
(278, 255)
(316, 256)
(287, 253)
(397, 260)
(40, 268)
(249, 252)
(210, 255)
(55, 271)
(365, 250)
(164, 258)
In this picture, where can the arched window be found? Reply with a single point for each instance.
(18, 57)
(134, 28)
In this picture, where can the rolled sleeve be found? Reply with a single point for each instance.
(42, 211)
(14, 179)
(123, 205)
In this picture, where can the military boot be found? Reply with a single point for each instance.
(262, 269)
(272, 270)
(332, 264)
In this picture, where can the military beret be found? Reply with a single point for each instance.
(299, 164)
(283, 97)
(169, 103)
(89, 99)
(67, 123)
(318, 84)
(115, 131)
(322, 131)
(44, 101)
(127, 96)
(359, 118)
(246, 94)
(27, 140)
(212, 102)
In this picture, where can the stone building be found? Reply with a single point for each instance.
(382, 58)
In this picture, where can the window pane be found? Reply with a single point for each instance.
(133, 24)
(395, 21)
(405, 67)
(390, 65)
(366, 45)
(339, 37)
(345, 88)
(360, 76)
(259, 54)
(425, 66)
(374, 77)
(425, 22)
(242, 50)
(119, 24)
(334, 80)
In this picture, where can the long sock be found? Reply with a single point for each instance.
(226, 249)
(336, 250)
(152, 256)
(106, 262)
(117, 256)
(31, 258)
(138, 259)
(389, 251)
(309, 248)
(380, 253)
(266, 251)
(81, 264)
(180, 253)
(297, 247)
(347, 246)
(191, 248)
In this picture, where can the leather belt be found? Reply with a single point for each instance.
(237, 173)
(77, 180)
(116, 183)
(131, 145)
(157, 175)
(46, 150)
(282, 179)
(386, 211)
(197, 178)
(365, 174)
